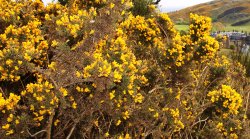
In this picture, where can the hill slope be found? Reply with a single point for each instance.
(229, 12)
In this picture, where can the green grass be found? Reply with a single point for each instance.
(227, 28)
(225, 51)
(182, 27)
(238, 28)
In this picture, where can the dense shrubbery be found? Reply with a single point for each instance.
(92, 69)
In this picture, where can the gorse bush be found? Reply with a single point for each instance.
(98, 69)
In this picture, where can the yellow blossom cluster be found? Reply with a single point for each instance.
(208, 47)
(72, 24)
(126, 136)
(96, 2)
(9, 103)
(227, 130)
(145, 33)
(54, 10)
(168, 25)
(226, 99)
(204, 46)
(146, 28)
(175, 52)
(200, 26)
(221, 62)
(114, 60)
(175, 114)
(42, 92)
(6, 106)
(21, 45)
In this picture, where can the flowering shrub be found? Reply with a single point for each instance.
(227, 99)
(65, 72)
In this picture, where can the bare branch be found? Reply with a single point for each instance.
(50, 124)
(199, 122)
(247, 102)
(71, 131)
(33, 135)
(156, 2)
(79, 81)
(154, 89)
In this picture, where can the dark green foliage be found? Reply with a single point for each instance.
(141, 6)
(217, 72)
(242, 22)
(63, 2)
(232, 10)
(232, 47)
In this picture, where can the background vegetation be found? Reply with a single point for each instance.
(227, 15)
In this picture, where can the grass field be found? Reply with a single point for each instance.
(245, 28)
(225, 51)
(238, 28)
(182, 27)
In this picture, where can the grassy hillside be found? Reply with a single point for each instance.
(224, 28)
(228, 12)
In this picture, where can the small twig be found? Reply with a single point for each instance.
(50, 124)
(71, 131)
(1, 90)
(147, 133)
(162, 29)
(199, 122)
(80, 81)
(22, 84)
(247, 102)
(154, 89)
(75, 123)
(35, 133)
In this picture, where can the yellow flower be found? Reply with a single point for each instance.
(27, 57)
(40, 118)
(220, 126)
(94, 85)
(117, 76)
(79, 89)
(9, 62)
(112, 5)
(152, 7)
(118, 122)
(17, 122)
(47, 17)
(20, 62)
(96, 123)
(54, 43)
(63, 91)
(139, 98)
(151, 110)
(127, 136)
(9, 132)
(74, 105)
(125, 115)
(156, 115)
(10, 118)
(42, 112)
(56, 122)
(52, 66)
(106, 134)
(6, 126)
(112, 95)
(233, 136)
(86, 90)
(32, 108)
